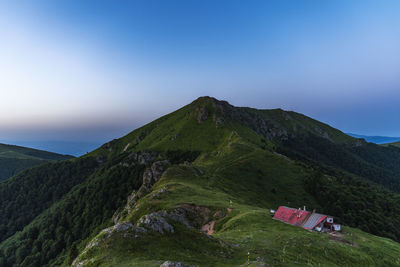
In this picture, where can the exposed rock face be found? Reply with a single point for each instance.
(143, 158)
(121, 227)
(156, 222)
(202, 114)
(150, 177)
(174, 264)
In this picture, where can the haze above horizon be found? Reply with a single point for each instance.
(91, 71)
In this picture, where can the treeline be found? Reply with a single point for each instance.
(52, 238)
(378, 164)
(26, 195)
(12, 166)
(357, 203)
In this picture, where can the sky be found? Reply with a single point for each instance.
(85, 72)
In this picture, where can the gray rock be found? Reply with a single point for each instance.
(122, 226)
(158, 169)
(156, 222)
(119, 227)
(174, 264)
(147, 178)
(153, 174)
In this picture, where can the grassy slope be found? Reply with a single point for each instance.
(14, 159)
(248, 227)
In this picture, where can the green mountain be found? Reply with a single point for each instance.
(14, 159)
(196, 186)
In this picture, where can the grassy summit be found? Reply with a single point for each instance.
(196, 186)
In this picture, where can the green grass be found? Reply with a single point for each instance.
(236, 173)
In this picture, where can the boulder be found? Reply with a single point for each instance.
(156, 222)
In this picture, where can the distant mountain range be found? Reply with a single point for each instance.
(376, 139)
(61, 147)
(196, 186)
(14, 159)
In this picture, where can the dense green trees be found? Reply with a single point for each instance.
(357, 203)
(25, 196)
(87, 208)
(369, 161)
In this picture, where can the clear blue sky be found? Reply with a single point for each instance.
(90, 71)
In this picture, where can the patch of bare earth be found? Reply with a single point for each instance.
(208, 228)
(338, 237)
(202, 218)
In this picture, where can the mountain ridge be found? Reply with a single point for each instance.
(224, 168)
(14, 159)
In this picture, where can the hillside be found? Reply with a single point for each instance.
(196, 186)
(396, 144)
(14, 159)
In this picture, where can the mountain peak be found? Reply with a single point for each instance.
(207, 99)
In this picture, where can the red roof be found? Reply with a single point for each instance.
(291, 216)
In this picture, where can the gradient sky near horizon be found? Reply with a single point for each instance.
(90, 71)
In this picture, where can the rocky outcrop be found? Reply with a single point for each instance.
(174, 264)
(122, 227)
(153, 174)
(150, 176)
(156, 222)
